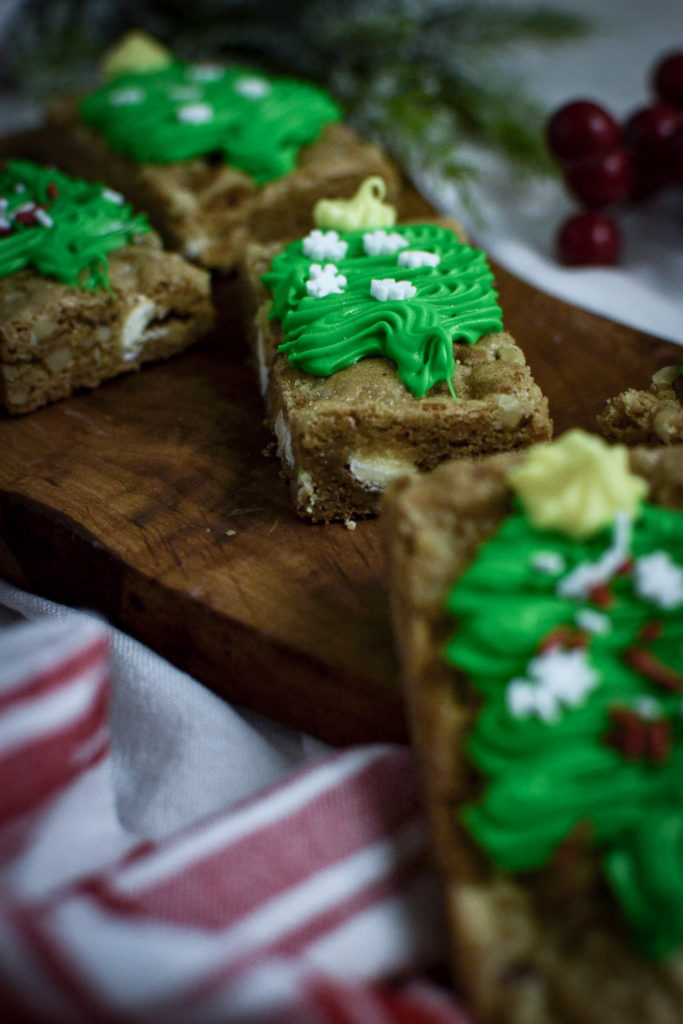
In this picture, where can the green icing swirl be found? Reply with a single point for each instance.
(61, 226)
(258, 124)
(454, 301)
(545, 777)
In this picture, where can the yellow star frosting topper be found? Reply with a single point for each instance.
(576, 484)
(366, 209)
(135, 51)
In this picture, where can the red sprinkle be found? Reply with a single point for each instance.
(565, 638)
(53, 190)
(628, 734)
(651, 631)
(659, 740)
(601, 595)
(652, 668)
(26, 215)
(638, 738)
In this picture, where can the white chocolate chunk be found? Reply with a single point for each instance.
(133, 326)
(374, 472)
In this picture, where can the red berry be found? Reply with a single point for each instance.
(647, 181)
(676, 156)
(601, 180)
(668, 79)
(648, 133)
(581, 129)
(589, 239)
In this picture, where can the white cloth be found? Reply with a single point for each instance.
(164, 857)
(179, 752)
(516, 220)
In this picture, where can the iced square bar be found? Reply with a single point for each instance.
(647, 416)
(543, 679)
(215, 155)
(86, 290)
(382, 351)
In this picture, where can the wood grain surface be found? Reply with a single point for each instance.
(156, 501)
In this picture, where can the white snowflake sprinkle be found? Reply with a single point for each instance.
(557, 679)
(325, 281)
(44, 218)
(113, 196)
(587, 575)
(184, 93)
(205, 72)
(383, 243)
(128, 97)
(551, 562)
(524, 698)
(658, 579)
(20, 187)
(195, 113)
(386, 289)
(647, 706)
(324, 245)
(592, 621)
(253, 88)
(414, 258)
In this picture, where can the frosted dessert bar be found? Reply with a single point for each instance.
(86, 291)
(652, 416)
(380, 350)
(215, 155)
(542, 672)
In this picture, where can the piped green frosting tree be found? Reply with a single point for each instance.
(593, 742)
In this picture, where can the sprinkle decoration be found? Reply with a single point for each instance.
(578, 485)
(388, 289)
(384, 243)
(415, 258)
(567, 637)
(324, 281)
(638, 737)
(649, 666)
(324, 245)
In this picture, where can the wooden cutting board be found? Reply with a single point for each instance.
(154, 500)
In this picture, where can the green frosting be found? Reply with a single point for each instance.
(454, 301)
(546, 774)
(255, 123)
(61, 226)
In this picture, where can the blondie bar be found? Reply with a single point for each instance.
(542, 671)
(215, 155)
(654, 416)
(86, 291)
(380, 349)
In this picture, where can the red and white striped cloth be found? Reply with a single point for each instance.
(310, 900)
